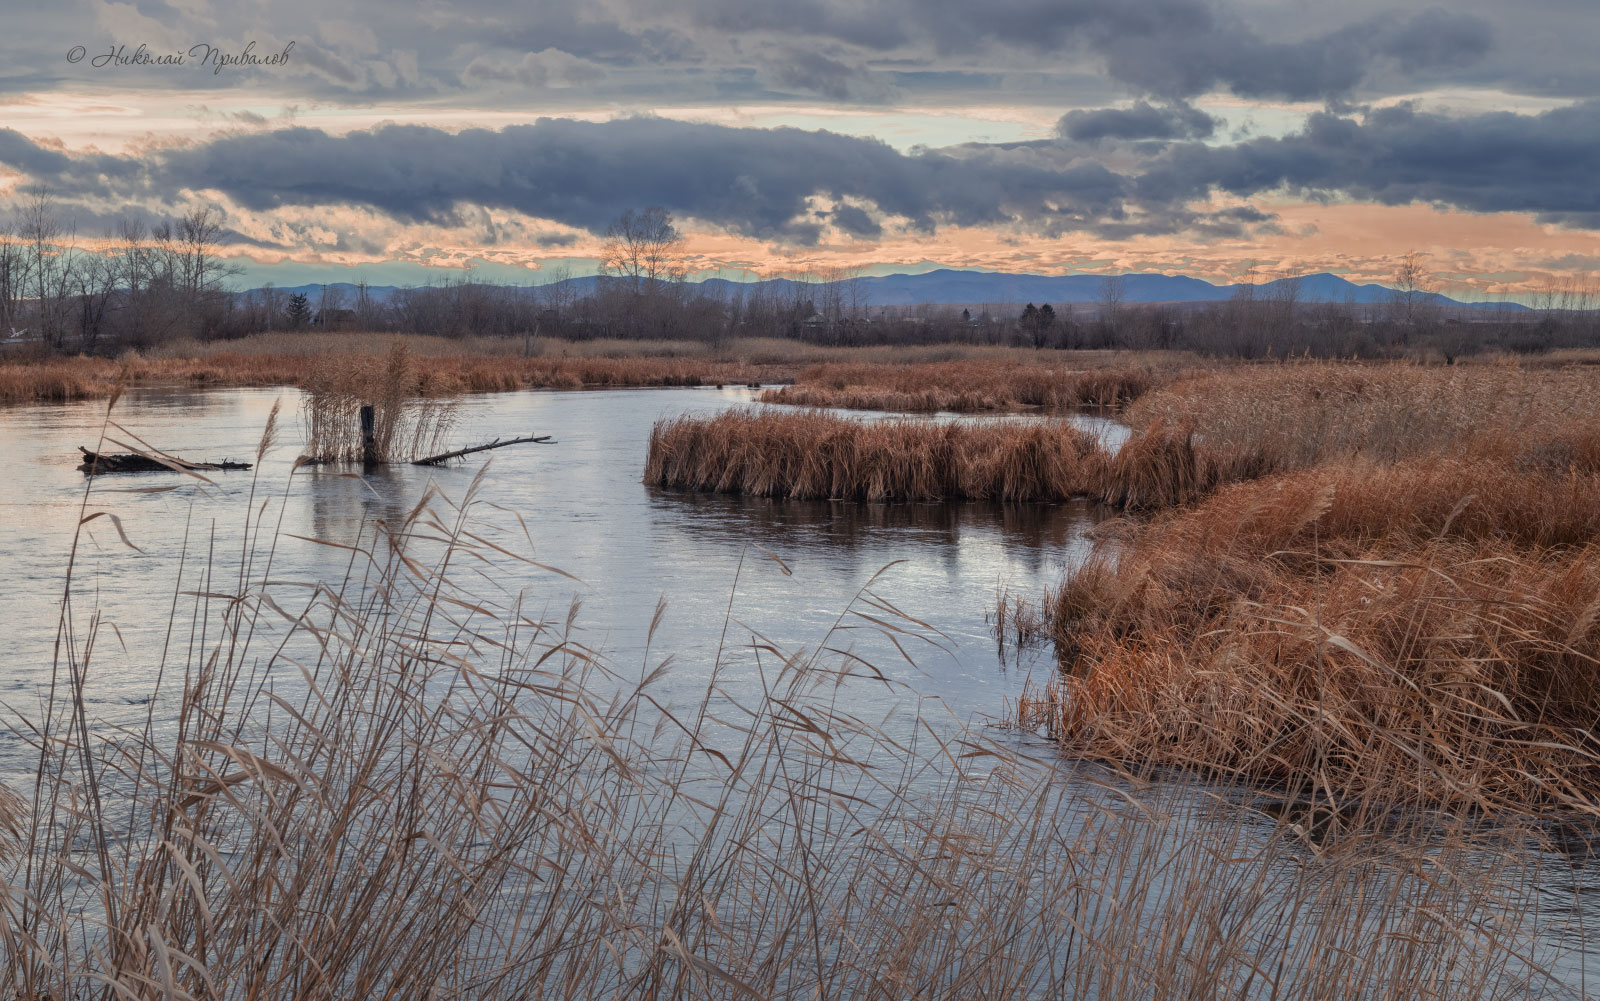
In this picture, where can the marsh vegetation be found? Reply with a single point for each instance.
(1321, 725)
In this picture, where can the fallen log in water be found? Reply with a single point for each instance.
(106, 462)
(434, 460)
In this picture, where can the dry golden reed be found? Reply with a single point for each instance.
(1296, 414)
(464, 371)
(1424, 631)
(811, 455)
(412, 417)
(505, 364)
(814, 456)
(965, 386)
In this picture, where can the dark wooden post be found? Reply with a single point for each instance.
(369, 438)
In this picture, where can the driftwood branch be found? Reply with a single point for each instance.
(434, 460)
(106, 462)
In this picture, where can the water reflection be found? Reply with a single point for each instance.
(1035, 536)
(343, 505)
(577, 505)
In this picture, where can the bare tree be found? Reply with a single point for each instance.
(13, 279)
(1411, 287)
(1113, 289)
(95, 279)
(644, 248)
(558, 295)
(202, 272)
(41, 231)
(645, 251)
(1285, 299)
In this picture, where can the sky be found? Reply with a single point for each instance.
(1225, 139)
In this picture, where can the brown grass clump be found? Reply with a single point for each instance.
(964, 386)
(56, 381)
(1162, 467)
(411, 415)
(811, 456)
(1208, 430)
(1416, 633)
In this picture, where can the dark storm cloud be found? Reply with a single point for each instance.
(761, 182)
(1171, 48)
(1165, 48)
(856, 221)
(1142, 121)
(85, 171)
(1437, 38)
(814, 73)
(1544, 165)
(755, 182)
(1227, 54)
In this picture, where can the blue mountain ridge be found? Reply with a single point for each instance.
(970, 288)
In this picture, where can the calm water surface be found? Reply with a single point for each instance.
(585, 510)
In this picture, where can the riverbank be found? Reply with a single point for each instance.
(1397, 603)
(1368, 583)
(938, 377)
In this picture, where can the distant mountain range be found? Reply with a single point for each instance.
(979, 288)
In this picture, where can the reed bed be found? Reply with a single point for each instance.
(813, 456)
(82, 378)
(817, 456)
(1423, 632)
(1210, 429)
(477, 365)
(412, 418)
(391, 786)
(965, 386)
(1297, 414)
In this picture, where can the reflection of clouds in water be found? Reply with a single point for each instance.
(584, 508)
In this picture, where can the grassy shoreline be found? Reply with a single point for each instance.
(1359, 583)
(1010, 377)
(1400, 598)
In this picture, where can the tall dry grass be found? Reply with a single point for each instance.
(273, 362)
(812, 456)
(966, 386)
(507, 364)
(388, 786)
(1422, 632)
(817, 456)
(412, 417)
(1208, 429)
(1296, 414)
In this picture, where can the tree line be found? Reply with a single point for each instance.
(143, 284)
(140, 284)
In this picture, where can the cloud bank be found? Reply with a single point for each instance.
(1112, 173)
